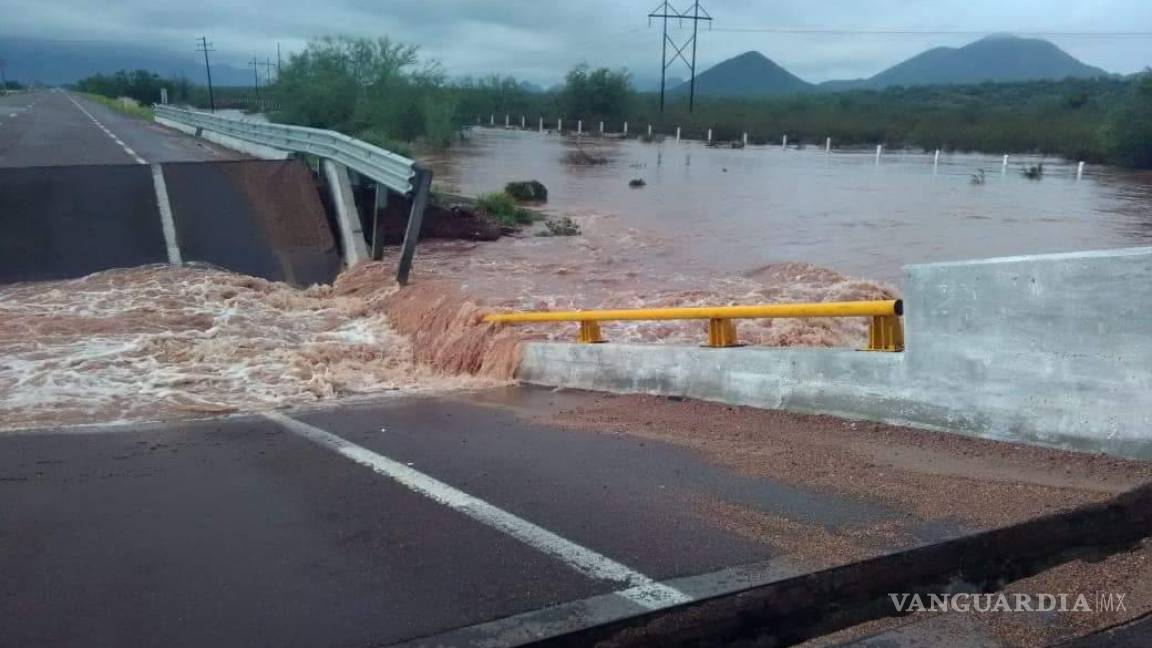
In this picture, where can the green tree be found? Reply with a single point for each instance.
(596, 95)
(1128, 134)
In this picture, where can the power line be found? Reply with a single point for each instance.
(665, 12)
(204, 46)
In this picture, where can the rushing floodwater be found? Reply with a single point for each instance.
(712, 227)
(733, 210)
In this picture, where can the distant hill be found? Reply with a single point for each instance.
(55, 63)
(750, 74)
(995, 58)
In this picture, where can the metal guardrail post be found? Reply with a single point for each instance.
(379, 202)
(422, 185)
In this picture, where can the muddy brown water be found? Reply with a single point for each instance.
(731, 211)
(712, 227)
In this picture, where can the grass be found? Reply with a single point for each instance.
(125, 106)
(504, 209)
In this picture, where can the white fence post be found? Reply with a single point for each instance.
(828, 145)
(601, 128)
(649, 130)
(1004, 166)
(936, 159)
(492, 119)
(579, 126)
(541, 126)
(1079, 170)
(784, 142)
(625, 129)
(523, 122)
(879, 152)
(745, 139)
(560, 125)
(677, 133)
(709, 134)
(506, 122)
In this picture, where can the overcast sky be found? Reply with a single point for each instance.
(538, 40)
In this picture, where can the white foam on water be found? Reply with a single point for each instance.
(162, 342)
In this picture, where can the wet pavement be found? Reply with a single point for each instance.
(247, 531)
(46, 128)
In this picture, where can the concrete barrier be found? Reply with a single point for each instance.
(1049, 349)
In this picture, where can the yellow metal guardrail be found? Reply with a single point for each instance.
(885, 331)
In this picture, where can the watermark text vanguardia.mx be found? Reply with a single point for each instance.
(1092, 602)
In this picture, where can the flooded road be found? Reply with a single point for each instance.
(711, 227)
(728, 212)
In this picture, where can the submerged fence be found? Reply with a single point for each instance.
(602, 129)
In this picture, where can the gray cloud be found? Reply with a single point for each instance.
(539, 40)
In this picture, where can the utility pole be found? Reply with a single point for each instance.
(664, 11)
(277, 60)
(268, 70)
(205, 46)
(255, 82)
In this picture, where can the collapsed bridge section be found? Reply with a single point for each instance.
(258, 217)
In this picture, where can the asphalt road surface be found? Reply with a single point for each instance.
(432, 520)
(60, 128)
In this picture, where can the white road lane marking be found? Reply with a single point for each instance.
(127, 149)
(167, 225)
(640, 589)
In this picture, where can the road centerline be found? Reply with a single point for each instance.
(639, 588)
(127, 149)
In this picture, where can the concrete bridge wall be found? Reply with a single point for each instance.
(1048, 349)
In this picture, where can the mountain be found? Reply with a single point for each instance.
(995, 58)
(58, 62)
(750, 74)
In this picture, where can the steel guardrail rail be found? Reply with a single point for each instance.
(390, 169)
(885, 331)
